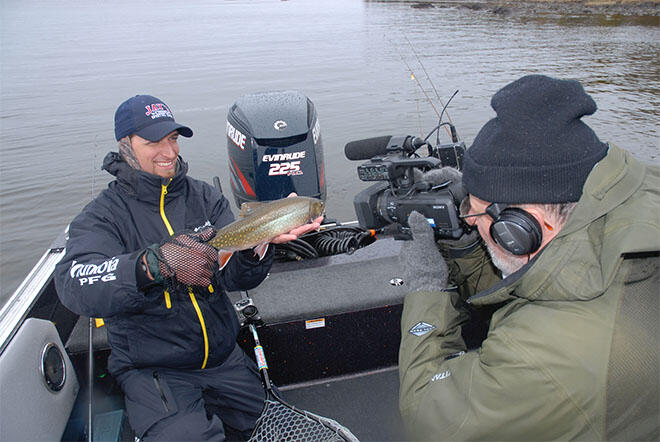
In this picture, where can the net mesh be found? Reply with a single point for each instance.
(187, 259)
(279, 422)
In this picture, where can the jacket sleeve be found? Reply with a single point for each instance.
(245, 272)
(430, 336)
(501, 391)
(96, 277)
(473, 272)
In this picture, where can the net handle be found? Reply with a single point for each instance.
(260, 355)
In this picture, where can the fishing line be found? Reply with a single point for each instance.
(96, 146)
(90, 336)
(414, 77)
(448, 126)
(419, 111)
(428, 77)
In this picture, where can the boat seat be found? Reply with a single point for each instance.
(38, 384)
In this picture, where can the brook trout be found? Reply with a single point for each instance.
(262, 223)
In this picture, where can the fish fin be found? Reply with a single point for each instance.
(248, 207)
(261, 250)
(223, 258)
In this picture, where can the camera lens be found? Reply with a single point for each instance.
(249, 311)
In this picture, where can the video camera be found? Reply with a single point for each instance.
(392, 161)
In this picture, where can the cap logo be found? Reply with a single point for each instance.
(280, 125)
(158, 110)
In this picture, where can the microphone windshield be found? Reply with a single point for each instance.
(367, 148)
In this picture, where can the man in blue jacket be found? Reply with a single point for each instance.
(137, 257)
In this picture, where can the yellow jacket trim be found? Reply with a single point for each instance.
(190, 291)
(162, 207)
(201, 321)
(168, 301)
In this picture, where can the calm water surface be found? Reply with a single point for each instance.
(66, 66)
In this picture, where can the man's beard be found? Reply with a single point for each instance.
(508, 263)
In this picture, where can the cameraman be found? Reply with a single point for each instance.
(572, 346)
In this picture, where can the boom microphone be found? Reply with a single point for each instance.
(377, 146)
(367, 148)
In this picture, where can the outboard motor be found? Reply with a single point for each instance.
(275, 148)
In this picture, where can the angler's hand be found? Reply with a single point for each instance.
(424, 268)
(298, 231)
(185, 257)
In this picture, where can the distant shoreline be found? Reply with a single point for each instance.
(642, 8)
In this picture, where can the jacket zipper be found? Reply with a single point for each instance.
(160, 390)
(201, 322)
(163, 192)
(200, 317)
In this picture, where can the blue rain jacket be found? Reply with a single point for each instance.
(183, 327)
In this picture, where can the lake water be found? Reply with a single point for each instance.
(66, 66)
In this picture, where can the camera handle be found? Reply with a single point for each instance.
(402, 175)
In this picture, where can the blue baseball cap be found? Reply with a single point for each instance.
(147, 117)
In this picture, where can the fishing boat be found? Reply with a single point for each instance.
(330, 333)
(328, 320)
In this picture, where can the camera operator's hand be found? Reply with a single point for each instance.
(440, 176)
(424, 268)
(451, 248)
(185, 257)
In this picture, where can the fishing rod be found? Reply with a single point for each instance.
(451, 129)
(414, 77)
(428, 77)
(90, 334)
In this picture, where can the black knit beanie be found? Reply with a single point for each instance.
(536, 150)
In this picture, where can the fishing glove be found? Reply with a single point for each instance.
(424, 268)
(184, 258)
(452, 248)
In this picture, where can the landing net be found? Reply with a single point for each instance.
(280, 422)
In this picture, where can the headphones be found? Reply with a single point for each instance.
(514, 229)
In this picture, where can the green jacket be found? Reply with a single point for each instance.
(572, 352)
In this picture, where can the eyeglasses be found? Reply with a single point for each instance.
(493, 210)
(465, 207)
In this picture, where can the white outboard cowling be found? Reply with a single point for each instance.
(274, 147)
